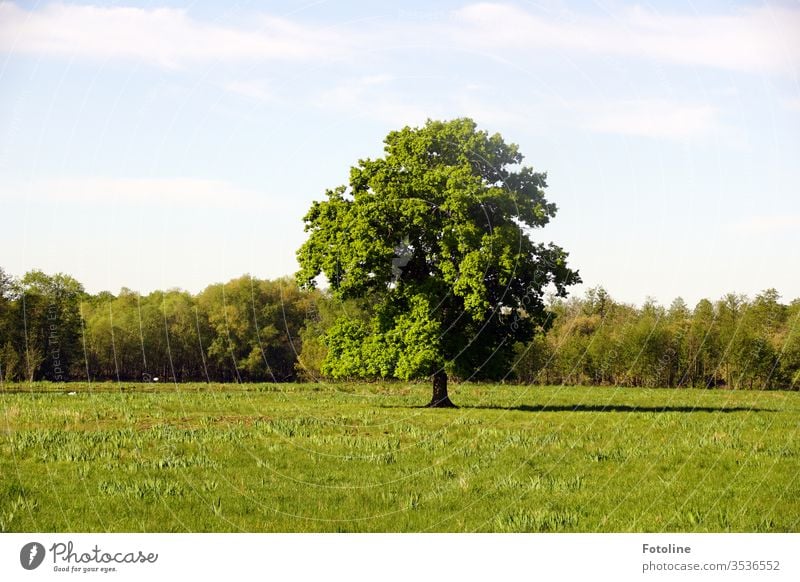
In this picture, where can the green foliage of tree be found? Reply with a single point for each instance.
(254, 327)
(320, 315)
(736, 343)
(244, 330)
(534, 360)
(9, 358)
(45, 325)
(788, 373)
(437, 234)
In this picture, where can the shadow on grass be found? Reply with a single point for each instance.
(617, 408)
(595, 408)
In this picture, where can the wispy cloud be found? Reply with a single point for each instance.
(367, 96)
(257, 89)
(153, 193)
(648, 118)
(766, 224)
(759, 39)
(162, 36)
(754, 39)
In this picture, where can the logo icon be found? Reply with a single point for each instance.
(31, 555)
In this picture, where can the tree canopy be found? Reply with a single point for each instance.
(438, 235)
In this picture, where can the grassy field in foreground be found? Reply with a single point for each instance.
(365, 457)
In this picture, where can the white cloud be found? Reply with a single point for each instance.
(375, 79)
(649, 118)
(760, 39)
(191, 193)
(256, 89)
(367, 97)
(754, 40)
(766, 224)
(161, 36)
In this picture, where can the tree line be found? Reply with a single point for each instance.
(241, 331)
(255, 330)
(734, 342)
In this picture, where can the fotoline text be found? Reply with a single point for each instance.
(668, 549)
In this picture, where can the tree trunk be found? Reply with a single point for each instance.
(440, 398)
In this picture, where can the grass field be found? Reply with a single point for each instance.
(365, 457)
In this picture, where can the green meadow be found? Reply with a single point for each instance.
(368, 458)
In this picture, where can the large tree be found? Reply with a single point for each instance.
(437, 236)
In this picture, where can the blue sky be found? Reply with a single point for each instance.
(160, 145)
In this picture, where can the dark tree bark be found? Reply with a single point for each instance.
(440, 398)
